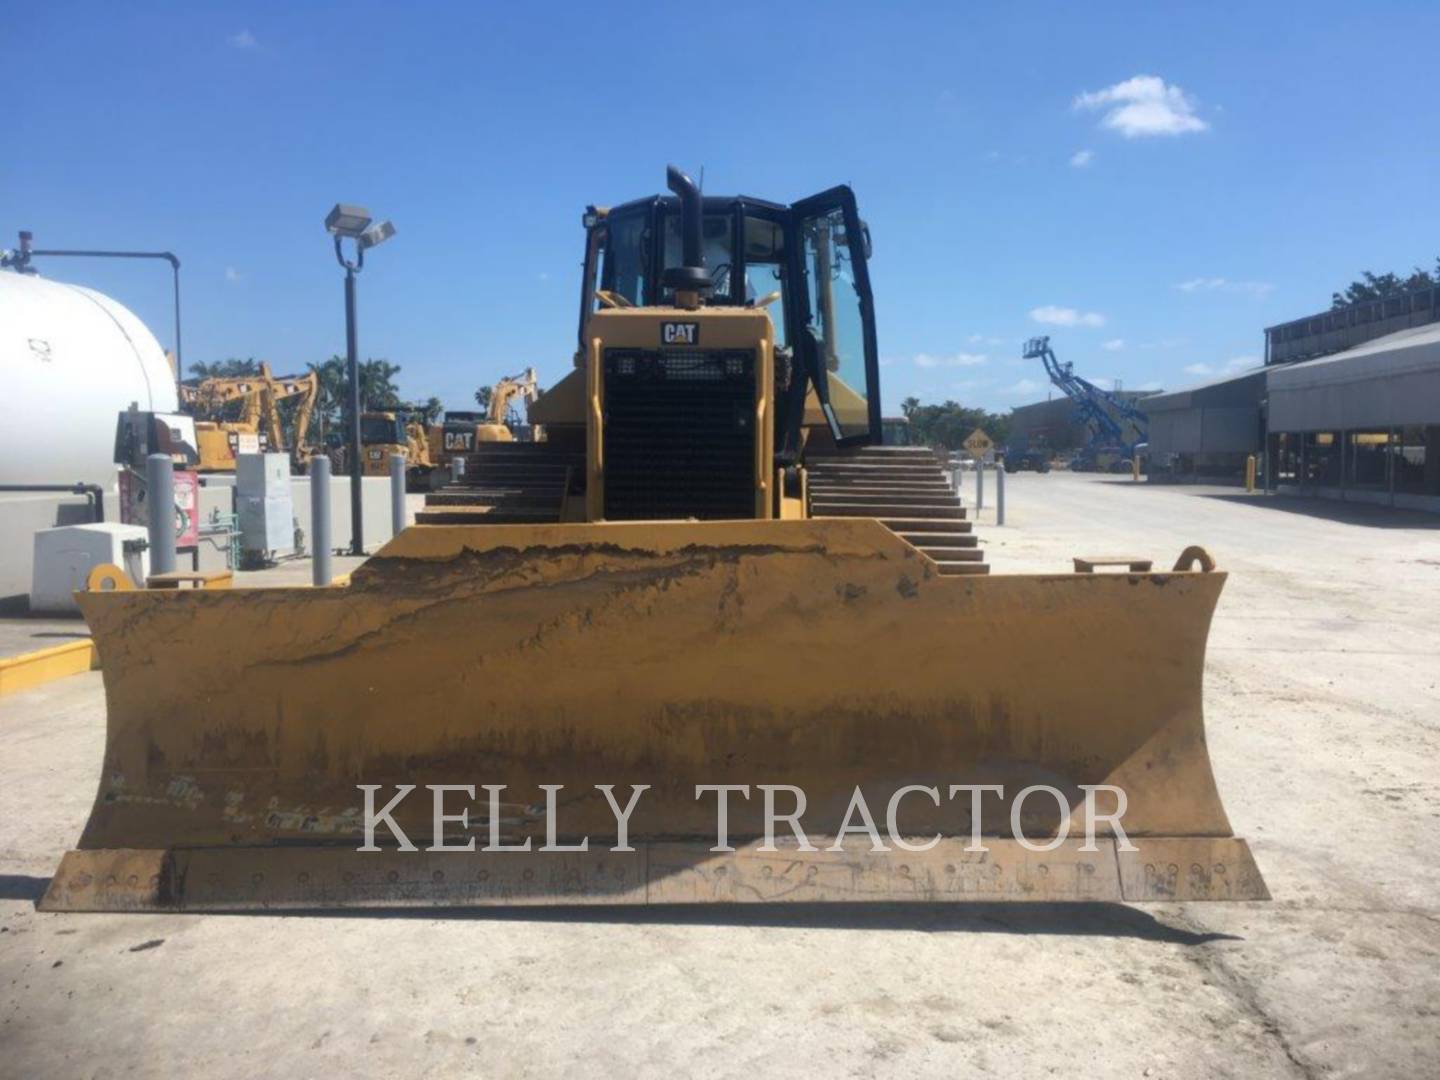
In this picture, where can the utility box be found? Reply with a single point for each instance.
(65, 556)
(263, 504)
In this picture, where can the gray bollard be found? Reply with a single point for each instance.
(457, 469)
(397, 494)
(320, 572)
(160, 496)
(979, 484)
(999, 494)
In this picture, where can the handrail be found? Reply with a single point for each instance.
(94, 494)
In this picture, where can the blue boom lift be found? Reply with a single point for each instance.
(1115, 424)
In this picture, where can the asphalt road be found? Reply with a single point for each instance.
(1324, 722)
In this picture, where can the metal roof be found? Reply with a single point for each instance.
(1388, 382)
(1181, 399)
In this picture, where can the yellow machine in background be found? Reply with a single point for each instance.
(257, 425)
(385, 433)
(462, 431)
(503, 395)
(731, 584)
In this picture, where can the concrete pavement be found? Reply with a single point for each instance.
(1321, 699)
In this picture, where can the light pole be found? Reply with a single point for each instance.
(354, 222)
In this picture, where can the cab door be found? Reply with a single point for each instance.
(836, 313)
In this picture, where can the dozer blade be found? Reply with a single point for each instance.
(829, 656)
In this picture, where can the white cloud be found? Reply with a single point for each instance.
(1153, 384)
(1257, 289)
(1234, 364)
(1113, 345)
(1066, 316)
(243, 40)
(971, 384)
(1142, 106)
(231, 274)
(1024, 388)
(1081, 158)
(962, 359)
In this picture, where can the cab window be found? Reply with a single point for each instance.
(765, 269)
(627, 256)
(835, 307)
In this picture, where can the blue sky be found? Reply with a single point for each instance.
(1151, 184)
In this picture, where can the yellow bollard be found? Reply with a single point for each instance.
(1135, 467)
(1250, 474)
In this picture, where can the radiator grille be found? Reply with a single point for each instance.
(679, 434)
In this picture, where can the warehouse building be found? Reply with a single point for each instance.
(1362, 424)
(1346, 405)
(1204, 433)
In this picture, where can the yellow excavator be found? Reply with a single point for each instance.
(524, 387)
(462, 431)
(241, 414)
(738, 652)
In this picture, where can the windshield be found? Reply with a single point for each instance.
(627, 256)
(383, 430)
(718, 250)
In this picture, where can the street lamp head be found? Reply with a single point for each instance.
(376, 235)
(347, 220)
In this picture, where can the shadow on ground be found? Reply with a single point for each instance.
(1076, 920)
(1070, 920)
(22, 887)
(1345, 513)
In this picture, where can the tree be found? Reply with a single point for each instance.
(948, 425)
(378, 392)
(427, 412)
(377, 386)
(232, 368)
(1378, 286)
(330, 402)
(482, 397)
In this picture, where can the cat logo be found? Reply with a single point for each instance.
(459, 440)
(680, 333)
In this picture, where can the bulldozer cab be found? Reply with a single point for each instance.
(804, 263)
(381, 429)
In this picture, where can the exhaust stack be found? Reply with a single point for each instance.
(690, 280)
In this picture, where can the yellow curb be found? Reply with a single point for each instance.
(45, 665)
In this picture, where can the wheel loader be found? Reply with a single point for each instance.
(709, 642)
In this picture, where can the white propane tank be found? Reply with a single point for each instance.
(71, 359)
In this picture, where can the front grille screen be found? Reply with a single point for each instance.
(679, 434)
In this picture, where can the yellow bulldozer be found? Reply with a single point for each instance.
(709, 642)
(382, 434)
